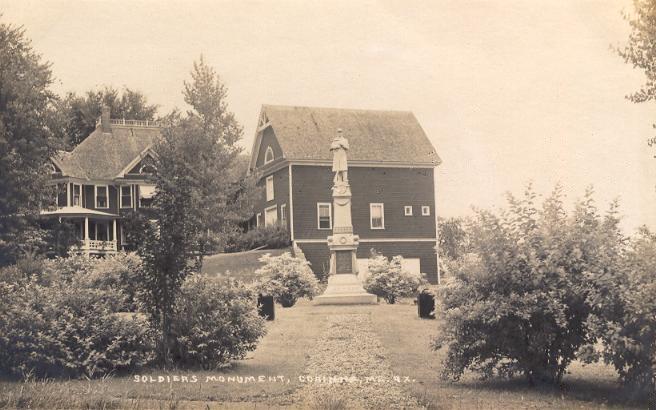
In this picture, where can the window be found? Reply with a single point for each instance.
(269, 188)
(101, 196)
(77, 195)
(407, 210)
(268, 155)
(283, 214)
(324, 215)
(62, 195)
(258, 220)
(425, 210)
(377, 216)
(126, 196)
(271, 215)
(146, 194)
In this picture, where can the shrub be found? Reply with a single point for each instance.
(388, 280)
(271, 237)
(519, 306)
(117, 276)
(63, 330)
(286, 278)
(624, 313)
(215, 321)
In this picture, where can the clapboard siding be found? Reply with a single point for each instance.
(268, 140)
(394, 187)
(280, 193)
(318, 254)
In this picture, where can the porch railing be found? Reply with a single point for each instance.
(94, 245)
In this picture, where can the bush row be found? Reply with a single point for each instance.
(270, 237)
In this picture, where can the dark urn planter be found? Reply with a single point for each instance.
(426, 305)
(266, 307)
(286, 301)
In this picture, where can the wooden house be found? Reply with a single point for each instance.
(106, 176)
(391, 172)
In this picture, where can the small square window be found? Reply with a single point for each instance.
(425, 210)
(269, 188)
(407, 210)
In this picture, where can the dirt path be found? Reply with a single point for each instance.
(348, 369)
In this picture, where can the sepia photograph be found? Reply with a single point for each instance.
(303, 204)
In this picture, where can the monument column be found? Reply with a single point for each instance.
(344, 287)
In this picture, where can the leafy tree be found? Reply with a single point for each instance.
(26, 142)
(624, 313)
(519, 304)
(195, 155)
(77, 115)
(452, 237)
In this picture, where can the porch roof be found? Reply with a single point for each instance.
(78, 211)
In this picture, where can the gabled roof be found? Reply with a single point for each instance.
(103, 155)
(305, 133)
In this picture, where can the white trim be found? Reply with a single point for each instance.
(291, 204)
(382, 213)
(330, 215)
(283, 214)
(258, 218)
(373, 240)
(425, 210)
(120, 196)
(273, 195)
(266, 210)
(95, 192)
(147, 151)
(360, 163)
(407, 208)
(264, 126)
(266, 153)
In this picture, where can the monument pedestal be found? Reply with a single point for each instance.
(344, 287)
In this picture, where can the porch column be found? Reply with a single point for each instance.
(86, 233)
(114, 235)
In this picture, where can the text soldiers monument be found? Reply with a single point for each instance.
(344, 287)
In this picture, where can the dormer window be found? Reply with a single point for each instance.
(148, 169)
(268, 155)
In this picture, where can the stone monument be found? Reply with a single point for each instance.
(344, 287)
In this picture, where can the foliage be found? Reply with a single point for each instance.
(195, 155)
(215, 322)
(624, 313)
(26, 142)
(58, 330)
(520, 305)
(453, 241)
(286, 278)
(117, 276)
(270, 237)
(77, 114)
(388, 280)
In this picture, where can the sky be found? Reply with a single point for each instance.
(509, 92)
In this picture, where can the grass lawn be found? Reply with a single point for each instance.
(285, 352)
(239, 265)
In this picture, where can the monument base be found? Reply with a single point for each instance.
(345, 289)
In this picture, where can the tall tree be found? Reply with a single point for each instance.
(640, 50)
(196, 193)
(77, 114)
(26, 142)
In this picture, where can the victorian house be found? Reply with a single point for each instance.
(106, 176)
(391, 173)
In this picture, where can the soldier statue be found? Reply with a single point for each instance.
(339, 147)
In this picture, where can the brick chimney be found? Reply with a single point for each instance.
(104, 119)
